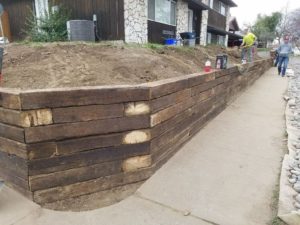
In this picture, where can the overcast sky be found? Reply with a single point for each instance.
(247, 11)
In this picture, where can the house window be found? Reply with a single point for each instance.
(173, 12)
(219, 6)
(216, 5)
(221, 40)
(223, 9)
(151, 9)
(208, 38)
(190, 20)
(163, 11)
(210, 3)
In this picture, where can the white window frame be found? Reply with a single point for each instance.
(190, 20)
(221, 40)
(170, 19)
(208, 38)
(211, 3)
(222, 5)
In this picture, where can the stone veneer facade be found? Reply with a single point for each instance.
(203, 34)
(136, 24)
(227, 25)
(182, 16)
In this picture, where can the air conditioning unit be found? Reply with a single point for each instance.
(81, 30)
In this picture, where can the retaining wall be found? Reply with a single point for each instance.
(57, 144)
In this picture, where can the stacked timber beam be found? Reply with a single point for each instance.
(57, 144)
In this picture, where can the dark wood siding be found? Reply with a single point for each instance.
(110, 15)
(216, 20)
(18, 11)
(197, 17)
(157, 32)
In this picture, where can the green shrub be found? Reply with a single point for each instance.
(49, 28)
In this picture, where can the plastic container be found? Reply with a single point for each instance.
(221, 61)
(189, 38)
(207, 67)
(170, 41)
(188, 35)
(189, 42)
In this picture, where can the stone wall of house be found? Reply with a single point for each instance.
(227, 25)
(204, 19)
(136, 26)
(182, 16)
(203, 34)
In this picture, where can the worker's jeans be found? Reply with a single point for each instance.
(282, 64)
(247, 54)
(276, 61)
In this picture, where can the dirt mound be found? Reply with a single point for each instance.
(71, 65)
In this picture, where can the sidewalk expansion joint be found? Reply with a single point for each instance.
(140, 196)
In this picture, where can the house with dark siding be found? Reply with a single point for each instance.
(136, 21)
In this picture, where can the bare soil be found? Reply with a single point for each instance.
(28, 66)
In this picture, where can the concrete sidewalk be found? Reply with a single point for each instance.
(225, 175)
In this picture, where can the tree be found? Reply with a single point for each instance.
(283, 25)
(49, 28)
(294, 25)
(265, 26)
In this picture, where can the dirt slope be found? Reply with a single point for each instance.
(71, 65)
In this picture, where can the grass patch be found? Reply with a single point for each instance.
(153, 46)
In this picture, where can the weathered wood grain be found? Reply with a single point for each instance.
(137, 108)
(71, 146)
(169, 100)
(86, 158)
(14, 164)
(170, 112)
(171, 123)
(81, 129)
(41, 150)
(168, 150)
(168, 86)
(91, 186)
(65, 97)
(11, 177)
(13, 148)
(170, 136)
(12, 132)
(72, 176)
(198, 79)
(10, 98)
(87, 113)
(26, 118)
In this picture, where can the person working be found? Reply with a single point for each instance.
(276, 60)
(247, 45)
(284, 50)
